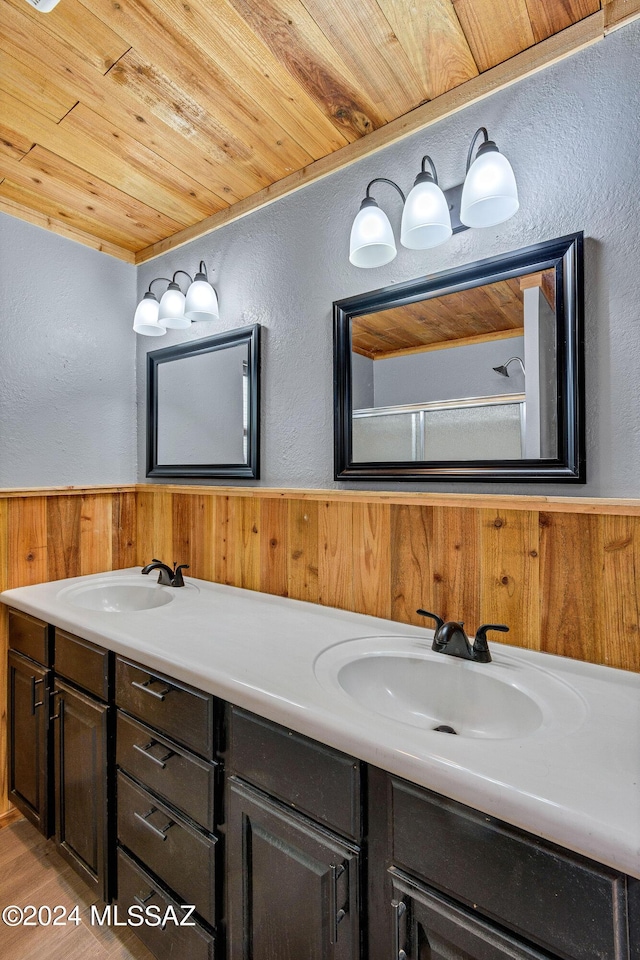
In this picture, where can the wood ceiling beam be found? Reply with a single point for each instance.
(538, 57)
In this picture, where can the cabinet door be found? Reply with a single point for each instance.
(29, 782)
(80, 760)
(428, 926)
(292, 886)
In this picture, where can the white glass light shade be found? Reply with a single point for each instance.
(426, 220)
(372, 243)
(201, 301)
(145, 320)
(171, 312)
(490, 194)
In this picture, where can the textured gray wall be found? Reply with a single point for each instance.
(67, 370)
(571, 133)
(451, 374)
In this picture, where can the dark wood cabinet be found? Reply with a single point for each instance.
(428, 926)
(292, 885)
(289, 849)
(29, 740)
(167, 798)
(61, 743)
(81, 772)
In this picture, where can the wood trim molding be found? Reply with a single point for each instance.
(618, 13)
(64, 229)
(11, 816)
(541, 55)
(8, 493)
(598, 506)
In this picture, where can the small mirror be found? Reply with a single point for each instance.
(475, 373)
(203, 407)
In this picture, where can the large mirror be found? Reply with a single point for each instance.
(475, 373)
(203, 407)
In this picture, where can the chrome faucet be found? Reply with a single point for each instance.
(167, 576)
(451, 638)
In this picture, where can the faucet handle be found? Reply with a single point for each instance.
(434, 616)
(480, 645)
(178, 579)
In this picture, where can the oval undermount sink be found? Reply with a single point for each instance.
(404, 680)
(117, 595)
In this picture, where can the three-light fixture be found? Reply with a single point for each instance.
(488, 196)
(175, 310)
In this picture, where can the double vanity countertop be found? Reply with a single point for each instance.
(572, 776)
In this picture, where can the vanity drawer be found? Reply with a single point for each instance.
(182, 856)
(181, 778)
(183, 713)
(137, 888)
(317, 780)
(82, 662)
(31, 637)
(559, 900)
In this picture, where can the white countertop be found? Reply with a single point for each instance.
(580, 788)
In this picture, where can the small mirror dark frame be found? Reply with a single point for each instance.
(251, 468)
(565, 256)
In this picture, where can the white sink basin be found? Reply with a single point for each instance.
(404, 680)
(118, 595)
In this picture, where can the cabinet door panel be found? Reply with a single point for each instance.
(29, 785)
(427, 926)
(293, 886)
(80, 751)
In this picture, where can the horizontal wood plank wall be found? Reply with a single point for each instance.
(53, 535)
(565, 579)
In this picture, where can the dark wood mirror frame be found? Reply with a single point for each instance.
(565, 256)
(232, 338)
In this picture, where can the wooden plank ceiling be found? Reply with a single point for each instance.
(132, 126)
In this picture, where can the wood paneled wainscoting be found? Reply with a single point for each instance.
(563, 573)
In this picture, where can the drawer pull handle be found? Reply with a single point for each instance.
(337, 914)
(399, 910)
(143, 901)
(143, 818)
(160, 761)
(147, 689)
(56, 693)
(40, 703)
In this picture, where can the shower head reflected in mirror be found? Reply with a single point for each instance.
(502, 370)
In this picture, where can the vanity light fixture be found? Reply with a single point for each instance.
(372, 243)
(490, 194)
(176, 311)
(430, 215)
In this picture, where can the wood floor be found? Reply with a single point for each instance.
(32, 872)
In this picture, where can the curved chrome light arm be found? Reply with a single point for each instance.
(155, 280)
(483, 131)
(383, 180)
(185, 273)
(427, 159)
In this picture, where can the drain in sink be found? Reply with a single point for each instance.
(445, 728)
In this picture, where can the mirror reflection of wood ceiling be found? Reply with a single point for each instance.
(490, 312)
(133, 127)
